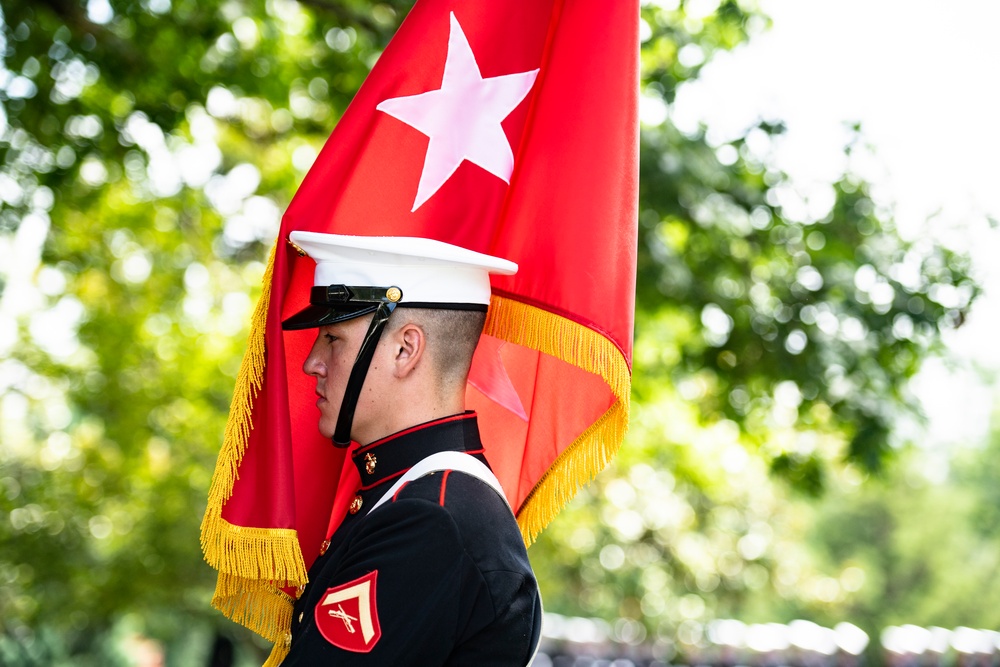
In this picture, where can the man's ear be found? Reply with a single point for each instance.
(410, 344)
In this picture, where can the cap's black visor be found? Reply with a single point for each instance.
(315, 315)
(338, 303)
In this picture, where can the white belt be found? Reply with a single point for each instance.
(458, 461)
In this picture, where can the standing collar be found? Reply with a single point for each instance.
(393, 455)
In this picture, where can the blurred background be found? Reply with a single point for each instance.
(811, 473)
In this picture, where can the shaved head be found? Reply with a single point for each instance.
(452, 337)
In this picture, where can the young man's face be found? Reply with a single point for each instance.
(330, 361)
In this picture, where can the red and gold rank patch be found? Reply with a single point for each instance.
(347, 616)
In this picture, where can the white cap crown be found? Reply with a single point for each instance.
(425, 270)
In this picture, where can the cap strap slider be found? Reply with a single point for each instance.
(332, 295)
(335, 294)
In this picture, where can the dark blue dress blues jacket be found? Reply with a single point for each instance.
(452, 584)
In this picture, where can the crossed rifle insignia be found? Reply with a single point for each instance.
(344, 616)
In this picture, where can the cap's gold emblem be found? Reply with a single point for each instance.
(355, 505)
(370, 462)
(393, 294)
(302, 253)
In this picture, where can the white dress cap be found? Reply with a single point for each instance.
(425, 270)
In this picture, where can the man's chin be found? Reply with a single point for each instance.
(326, 430)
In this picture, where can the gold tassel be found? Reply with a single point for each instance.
(557, 336)
(278, 654)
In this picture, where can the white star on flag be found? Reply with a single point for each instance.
(462, 119)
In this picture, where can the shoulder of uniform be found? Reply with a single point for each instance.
(423, 488)
(450, 488)
(412, 509)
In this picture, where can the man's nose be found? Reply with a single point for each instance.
(313, 365)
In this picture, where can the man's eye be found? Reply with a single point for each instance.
(329, 338)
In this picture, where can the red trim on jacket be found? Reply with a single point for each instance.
(444, 483)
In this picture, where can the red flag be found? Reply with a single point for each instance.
(509, 128)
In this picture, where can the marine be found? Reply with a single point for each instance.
(427, 566)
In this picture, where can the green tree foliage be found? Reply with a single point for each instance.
(774, 338)
(926, 539)
(148, 147)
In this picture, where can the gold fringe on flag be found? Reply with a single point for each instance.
(256, 605)
(569, 341)
(253, 563)
(264, 554)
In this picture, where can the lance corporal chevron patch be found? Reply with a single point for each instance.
(347, 616)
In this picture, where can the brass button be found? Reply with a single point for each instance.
(355, 505)
(301, 614)
(300, 589)
(370, 462)
(288, 639)
(393, 294)
(323, 547)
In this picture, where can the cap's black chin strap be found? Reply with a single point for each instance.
(342, 432)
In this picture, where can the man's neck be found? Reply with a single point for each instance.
(398, 418)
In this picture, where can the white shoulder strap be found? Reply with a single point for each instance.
(458, 461)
